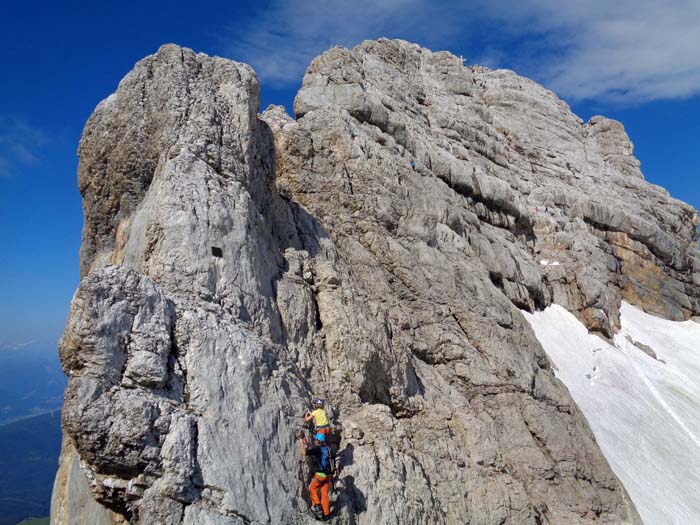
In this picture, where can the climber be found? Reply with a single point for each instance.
(321, 424)
(413, 165)
(323, 474)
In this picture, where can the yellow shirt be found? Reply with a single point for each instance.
(320, 419)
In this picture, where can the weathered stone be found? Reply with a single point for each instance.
(376, 252)
(615, 145)
(72, 501)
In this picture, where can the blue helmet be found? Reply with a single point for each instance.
(319, 403)
(320, 437)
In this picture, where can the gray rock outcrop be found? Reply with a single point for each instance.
(377, 252)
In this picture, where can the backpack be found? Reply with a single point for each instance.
(326, 464)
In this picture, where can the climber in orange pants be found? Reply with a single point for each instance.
(320, 484)
(323, 474)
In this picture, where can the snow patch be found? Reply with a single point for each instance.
(546, 262)
(643, 410)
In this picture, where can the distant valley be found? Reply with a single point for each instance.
(31, 382)
(31, 393)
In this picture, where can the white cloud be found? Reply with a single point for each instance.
(623, 51)
(281, 42)
(18, 144)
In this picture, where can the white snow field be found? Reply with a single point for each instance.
(644, 411)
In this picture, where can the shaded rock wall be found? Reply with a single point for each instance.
(375, 251)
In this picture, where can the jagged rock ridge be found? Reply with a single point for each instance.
(375, 251)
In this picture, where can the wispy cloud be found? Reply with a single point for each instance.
(19, 143)
(4, 345)
(624, 51)
(281, 41)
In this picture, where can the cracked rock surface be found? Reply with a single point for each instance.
(376, 251)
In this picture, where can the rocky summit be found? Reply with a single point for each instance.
(377, 251)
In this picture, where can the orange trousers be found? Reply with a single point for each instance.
(325, 431)
(322, 484)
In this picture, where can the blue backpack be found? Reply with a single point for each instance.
(325, 464)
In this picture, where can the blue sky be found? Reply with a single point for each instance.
(633, 60)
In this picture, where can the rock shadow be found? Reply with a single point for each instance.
(350, 498)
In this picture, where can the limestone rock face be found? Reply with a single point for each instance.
(376, 252)
(571, 194)
(182, 392)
